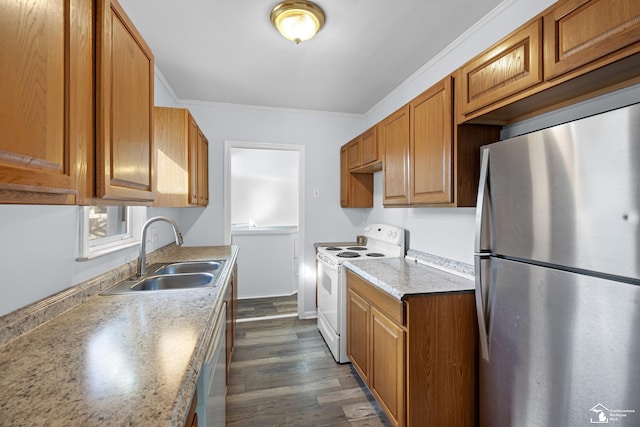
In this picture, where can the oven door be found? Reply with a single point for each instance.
(328, 290)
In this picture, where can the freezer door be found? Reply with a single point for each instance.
(563, 349)
(570, 195)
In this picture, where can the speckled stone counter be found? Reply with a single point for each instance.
(400, 277)
(115, 360)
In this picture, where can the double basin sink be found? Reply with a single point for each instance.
(171, 276)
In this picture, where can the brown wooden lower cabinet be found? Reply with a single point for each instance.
(417, 356)
(192, 416)
(231, 300)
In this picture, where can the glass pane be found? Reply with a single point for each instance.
(107, 221)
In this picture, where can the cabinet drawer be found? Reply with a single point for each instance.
(509, 67)
(577, 32)
(391, 307)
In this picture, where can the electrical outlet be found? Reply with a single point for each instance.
(316, 193)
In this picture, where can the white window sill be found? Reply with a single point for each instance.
(109, 249)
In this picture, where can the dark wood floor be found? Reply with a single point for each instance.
(262, 307)
(282, 374)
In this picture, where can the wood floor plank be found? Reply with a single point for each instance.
(282, 390)
(311, 356)
(282, 374)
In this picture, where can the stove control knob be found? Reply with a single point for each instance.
(389, 233)
(395, 234)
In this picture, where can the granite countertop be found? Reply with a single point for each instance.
(115, 360)
(402, 278)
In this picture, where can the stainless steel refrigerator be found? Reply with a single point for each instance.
(558, 275)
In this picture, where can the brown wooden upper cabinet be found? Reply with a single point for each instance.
(171, 141)
(577, 32)
(507, 68)
(427, 161)
(574, 50)
(369, 151)
(124, 108)
(201, 171)
(47, 95)
(393, 134)
(198, 166)
(79, 105)
(353, 149)
(431, 145)
(363, 152)
(181, 151)
(356, 189)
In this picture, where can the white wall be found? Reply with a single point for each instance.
(38, 252)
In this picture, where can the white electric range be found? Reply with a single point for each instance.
(383, 241)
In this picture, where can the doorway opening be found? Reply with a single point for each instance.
(264, 215)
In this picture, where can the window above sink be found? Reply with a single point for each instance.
(107, 229)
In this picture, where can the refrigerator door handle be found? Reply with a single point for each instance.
(481, 238)
(481, 308)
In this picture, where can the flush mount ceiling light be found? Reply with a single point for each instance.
(297, 20)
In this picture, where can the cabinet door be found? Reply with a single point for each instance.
(509, 67)
(203, 169)
(170, 139)
(431, 145)
(369, 146)
(356, 189)
(344, 177)
(387, 365)
(354, 153)
(577, 32)
(394, 138)
(358, 312)
(46, 89)
(124, 108)
(231, 300)
(193, 160)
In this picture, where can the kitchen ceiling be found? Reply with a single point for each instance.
(227, 51)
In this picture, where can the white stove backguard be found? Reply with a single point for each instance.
(385, 233)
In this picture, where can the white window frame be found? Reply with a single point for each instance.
(136, 216)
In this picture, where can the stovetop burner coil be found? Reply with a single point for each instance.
(375, 254)
(357, 248)
(333, 248)
(348, 255)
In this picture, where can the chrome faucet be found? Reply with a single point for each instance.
(142, 256)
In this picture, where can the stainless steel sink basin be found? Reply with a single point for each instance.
(190, 267)
(172, 276)
(173, 281)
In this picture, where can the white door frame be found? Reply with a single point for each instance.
(228, 145)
